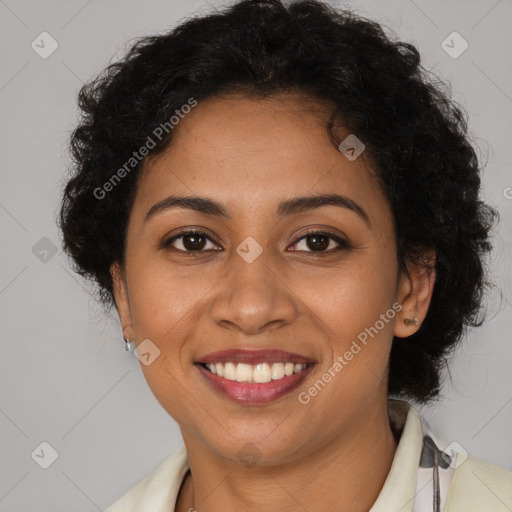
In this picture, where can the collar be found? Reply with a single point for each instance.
(399, 489)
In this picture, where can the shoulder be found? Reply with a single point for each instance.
(477, 485)
(158, 490)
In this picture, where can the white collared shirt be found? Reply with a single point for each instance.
(466, 484)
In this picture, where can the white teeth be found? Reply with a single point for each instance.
(243, 372)
(260, 373)
(229, 371)
(277, 371)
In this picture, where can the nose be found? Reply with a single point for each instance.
(253, 298)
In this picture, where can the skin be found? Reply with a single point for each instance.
(335, 452)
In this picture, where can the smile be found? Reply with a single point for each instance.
(254, 376)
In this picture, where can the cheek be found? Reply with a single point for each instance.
(352, 298)
(354, 308)
(164, 300)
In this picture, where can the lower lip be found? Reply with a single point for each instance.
(252, 392)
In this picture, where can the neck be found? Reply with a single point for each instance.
(346, 473)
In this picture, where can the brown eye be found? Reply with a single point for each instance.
(189, 241)
(320, 241)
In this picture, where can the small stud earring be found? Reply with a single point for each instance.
(411, 321)
(128, 345)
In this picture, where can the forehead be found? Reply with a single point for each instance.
(255, 153)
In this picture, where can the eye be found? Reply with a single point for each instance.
(320, 241)
(190, 241)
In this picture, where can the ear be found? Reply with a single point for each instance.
(120, 290)
(415, 290)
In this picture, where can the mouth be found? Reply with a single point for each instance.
(259, 373)
(254, 377)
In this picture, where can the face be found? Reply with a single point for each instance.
(258, 278)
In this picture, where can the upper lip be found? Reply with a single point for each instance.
(253, 357)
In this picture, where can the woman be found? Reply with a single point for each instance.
(285, 212)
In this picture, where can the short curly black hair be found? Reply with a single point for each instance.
(415, 133)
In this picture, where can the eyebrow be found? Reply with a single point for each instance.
(293, 206)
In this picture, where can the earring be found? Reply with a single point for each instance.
(411, 321)
(128, 345)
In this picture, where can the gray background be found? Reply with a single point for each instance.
(64, 376)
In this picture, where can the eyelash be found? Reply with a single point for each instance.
(343, 244)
